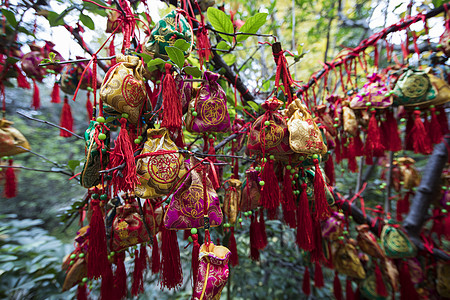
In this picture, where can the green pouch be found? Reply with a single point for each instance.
(395, 242)
(413, 88)
(166, 32)
(90, 175)
(368, 288)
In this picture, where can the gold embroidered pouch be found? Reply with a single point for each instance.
(158, 173)
(11, 139)
(346, 261)
(123, 88)
(232, 200)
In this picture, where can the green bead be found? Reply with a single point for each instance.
(100, 119)
(250, 213)
(137, 141)
(104, 197)
(296, 176)
(102, 136)
(386, 95)
(402, 120)
(444, 211)
(140, 137)
(211, 136)
(447, 203)
(402, 183)
(125, 116)
(372, 109)
(267, 123)
(246, 214)
(336, 119)
(240, 220)
(341, 238)
(288, 167)
(258, 169)
(350, 217)
(71, 262)
(437, 113)
(190, 239)
(292, 171)
(439, 46)
(272, 157)
(112, 253)
(345, 232)
(262, 183)
(368, 104)
(194, 231)
(335, 125)
(315, 156)
(264, 160)
(293, 182)
(444, 188)
(73, 256)
(84, 280)
(81, 255)
(95, 196)
(192, 109)
(234, 140)
(194, 113)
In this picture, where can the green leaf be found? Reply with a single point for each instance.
(146, 57)
(222, 45)
(87, 21)
(110, 119)
(72, 164)
(12, 60)
(9, 15)
(252, 25)
(221, 22)
(182, 45)
(229, 59)
(156, 62)
(194, 71)
(54, 19)
(253, 105)
(176, 56)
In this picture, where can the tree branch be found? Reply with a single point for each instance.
(38, 170)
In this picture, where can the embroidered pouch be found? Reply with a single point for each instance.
(445, 41)
(272, 138)
(210, 107)
(186, 209)
(167, 31)
(391, 273)
(413, 88)
(333, 228)
(368, 288)
(396, 243)
(128, 227)
(373, 92)
(367, 242)
(346, 261)
(443, 279)
(71, 74)
(251, 192)
(350, 123)
(238, 124)
(30, 65)
(408, 172)
(325, 119)
(304, 134)
(11, 139)
(187, 92)
(158, 174)
(96, 159)
(213, 272)
(232, 200)
(123, 88)
(152, 216)
(442, 88)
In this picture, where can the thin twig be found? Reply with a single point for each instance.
(51, 124)
(41, 156)
(38, 170)
(249, 58)
(241, 33)
(75, 61)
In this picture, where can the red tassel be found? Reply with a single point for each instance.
(172, 113)
(391, 134)
(120, 278)
(123, 152)
(380, 286)
(329, 170)
(234, 258)
(337, 150)
(318, 276)
(421, 141)
(36, 104)
(254, 253)
(374, 145)
(10, 182)
(107, 287)
(262, 230)
(89, 108)
(306, 286)
(403, 206)
(270, 192)
(137, 287)
(337, 288)
(349, 290)
(171, 273)
(304, 224)
(317, 252)
(321, 205)
(22, 81)
(203, 45)
(195, 259)
(288, 195)
(236, 169)
(442, 118)
(82, 292)
(289, 215)
(352, 165)
(97, 258)
(407, 289)
(435, 132)
(358, 145)
(56, 98)
(112, 51)
(156, 260)
(66, 120)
